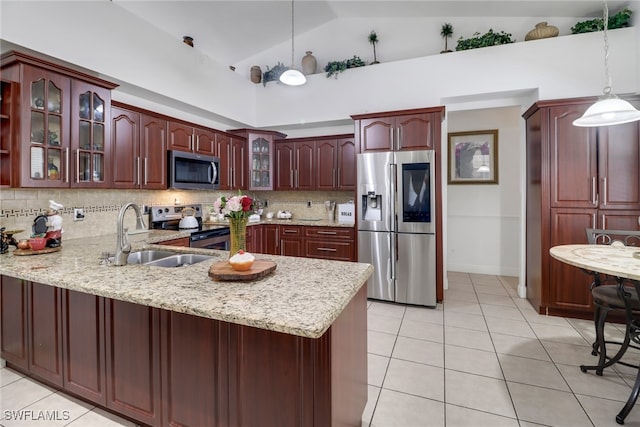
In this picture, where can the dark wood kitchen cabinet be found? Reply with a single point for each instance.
(181, 241)
(139, 149)
(231, 150)
(577, 178)
(337, 243)
(8, 122)
(185, 136)
(133, 360)
(31, 328)
(283, 239)
(83, 349)
(295, 161)
(335, 163)
(63, 136)
(259, 157)
(14, 328)
(417, 129)
(254, 239)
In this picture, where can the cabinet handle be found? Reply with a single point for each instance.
(391, 138)
(297, 178)
(604, 225)
(78, 165)
(399, 144)
(593, 190)
(198, 143)
(285, 231)
(145, 171)
(333, 233)
(604, 196)
(594, 222)
(68, 165)
(136, 180)
(338, 180)
(327, 249)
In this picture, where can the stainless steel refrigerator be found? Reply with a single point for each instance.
(396, 225)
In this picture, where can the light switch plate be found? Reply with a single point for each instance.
(78, 214)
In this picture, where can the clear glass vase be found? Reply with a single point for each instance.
(238, 235)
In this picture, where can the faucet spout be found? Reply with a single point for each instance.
(123, 247)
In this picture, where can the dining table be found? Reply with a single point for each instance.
(621, 263)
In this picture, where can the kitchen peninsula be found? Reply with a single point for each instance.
(170, 346)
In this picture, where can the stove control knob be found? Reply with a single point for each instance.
(197, 208)
(160, 211)
(166, 210)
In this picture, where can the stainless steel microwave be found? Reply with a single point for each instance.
(190, 171)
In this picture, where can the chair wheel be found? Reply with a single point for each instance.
(583, 369)
(599, 372)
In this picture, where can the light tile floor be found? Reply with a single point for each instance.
(483, 358)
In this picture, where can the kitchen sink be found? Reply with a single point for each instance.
(179, 260)
(145, 257)
(160, 258)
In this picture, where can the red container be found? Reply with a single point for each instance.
(37, 243)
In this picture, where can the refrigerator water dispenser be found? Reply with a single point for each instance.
(372, 206)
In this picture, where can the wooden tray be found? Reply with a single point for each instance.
(22, 252)
(222, 270)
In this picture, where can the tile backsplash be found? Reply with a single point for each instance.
(19, 207)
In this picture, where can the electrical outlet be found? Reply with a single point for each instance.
(309, 204)
(266, 205)
(78, 214)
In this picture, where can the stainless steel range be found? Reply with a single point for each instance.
(202, 236)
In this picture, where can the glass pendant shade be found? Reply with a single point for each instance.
(609, 110)
(293, 77)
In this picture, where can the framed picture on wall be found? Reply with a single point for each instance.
(473, 157)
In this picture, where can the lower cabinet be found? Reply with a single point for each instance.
(335, 243)
(133, 360)
(254, 239)
(163, 368)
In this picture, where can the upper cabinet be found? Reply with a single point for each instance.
(259, 157)
(231, 150)
(8, 121)
(316, 163)
(63, 138)
(139, 149)
(187, 137)
(399, 130)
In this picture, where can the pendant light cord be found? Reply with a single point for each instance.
(292, 32)
(607, 88)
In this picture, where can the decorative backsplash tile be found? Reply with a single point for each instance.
(19, 207)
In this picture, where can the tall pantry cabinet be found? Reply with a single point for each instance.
(577, 178)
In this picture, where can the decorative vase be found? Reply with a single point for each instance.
(238, 235)
(542, 31)
(309, 64)
(256, 74)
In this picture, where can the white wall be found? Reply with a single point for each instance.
(483, 221)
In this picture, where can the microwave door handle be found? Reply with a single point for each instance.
(213, 173)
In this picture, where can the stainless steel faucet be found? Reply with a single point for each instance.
(123, 247)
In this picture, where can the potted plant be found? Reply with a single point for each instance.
(446, 32)
(373, 39)
(333, 68)
(619, 20)
(274, 73)
(487, 39)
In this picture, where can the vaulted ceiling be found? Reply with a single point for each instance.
(232, 31)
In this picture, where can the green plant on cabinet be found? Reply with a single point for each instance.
(487, 39)
(274, 73)
(333, 68)
(619, 20)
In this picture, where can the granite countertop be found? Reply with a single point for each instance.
(286, 301)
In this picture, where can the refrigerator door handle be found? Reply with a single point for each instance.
(393, 254)
(392, 197)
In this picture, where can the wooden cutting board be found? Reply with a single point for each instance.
(22, 252)
(223, 271)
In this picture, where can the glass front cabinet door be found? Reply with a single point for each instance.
(62, 137)
(260, 163)
(90, 134)
(46, 156)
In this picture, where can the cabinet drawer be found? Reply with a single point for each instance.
(330, 232)
(336, 250)
(291, 231)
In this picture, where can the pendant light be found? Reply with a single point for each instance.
(609, 109)
(292, 77)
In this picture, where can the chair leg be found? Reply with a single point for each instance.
(631, 402)
(599, 346)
